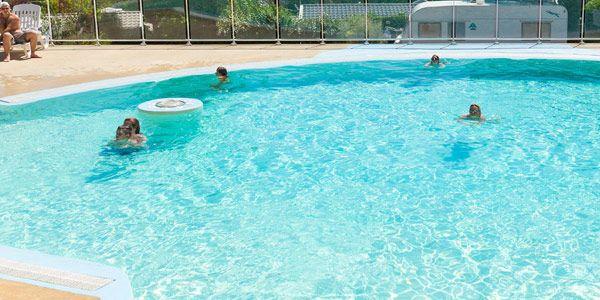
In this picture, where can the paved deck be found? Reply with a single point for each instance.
(13, 290)
(26, 274)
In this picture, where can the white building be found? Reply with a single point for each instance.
(433, 19)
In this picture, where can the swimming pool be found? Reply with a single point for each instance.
(349, 179)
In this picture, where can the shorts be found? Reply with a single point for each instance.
(19, 36)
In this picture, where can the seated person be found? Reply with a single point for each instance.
(10, 26)
(474, 114)
(435, 62)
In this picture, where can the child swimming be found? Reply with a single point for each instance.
(435, 62)
(474, 114)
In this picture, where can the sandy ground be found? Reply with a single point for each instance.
(65, 65)
(11, 290)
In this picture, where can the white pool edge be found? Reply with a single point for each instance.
(120, 288)
(353, 53)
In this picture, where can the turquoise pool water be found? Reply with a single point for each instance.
(334, 180)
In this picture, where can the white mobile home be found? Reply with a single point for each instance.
(433, 20)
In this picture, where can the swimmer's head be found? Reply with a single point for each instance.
(435, 59)
(221, 73)
(124, 132)
(134, 123)
(475, 110)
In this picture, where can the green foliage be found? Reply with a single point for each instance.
(592, 5)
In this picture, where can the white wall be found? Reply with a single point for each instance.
(480, 20)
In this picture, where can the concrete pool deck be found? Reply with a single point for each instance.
(72, 65)
(26, 274)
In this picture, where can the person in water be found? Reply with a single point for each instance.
(222, 74)
(435, 62)
(135, 126)
(474, 113)
(134, 123)
(129, 133)
(123, 133)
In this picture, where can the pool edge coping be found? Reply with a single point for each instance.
(120, 288)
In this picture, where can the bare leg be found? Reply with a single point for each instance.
(32, 38)
(7, 43)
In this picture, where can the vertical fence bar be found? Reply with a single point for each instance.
(582, 36)
(141, 5)
(233, 43)
(96, 23)
(497, 23)
(453, 42)
(410, 22)
(188, 30)
(322, 24)
(50, 42)
(540, 23)
(366, 22)
(278, 35)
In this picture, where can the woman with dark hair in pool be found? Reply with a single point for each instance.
(134, 123)
(474, 113)
(135, 137)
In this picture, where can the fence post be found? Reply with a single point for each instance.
(233, 43)
(497, 23)
(141, 5)
(51, 43)
(410, 42)
(96, 23)
(322, 25)
(278, 35)
(581, 39)
(540, 23)
(187, 23)
(366, 22)
(453, 41)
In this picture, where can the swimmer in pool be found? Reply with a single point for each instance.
(222, 75)
(123, 133)
(135, 126)
(474, 114)
(435, 62)
(126, 136)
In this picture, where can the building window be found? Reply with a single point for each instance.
(430, 30)
(529, 30)
(460, 30)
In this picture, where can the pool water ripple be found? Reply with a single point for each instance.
(332, 180)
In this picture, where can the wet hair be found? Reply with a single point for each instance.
(124, 131)
(134, 123)
(221, 71)
(475, 106)
(435, 58)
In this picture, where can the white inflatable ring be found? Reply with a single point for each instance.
(170, 105)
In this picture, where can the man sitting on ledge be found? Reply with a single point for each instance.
(10, 26)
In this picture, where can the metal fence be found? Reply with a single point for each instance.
(233, 21)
